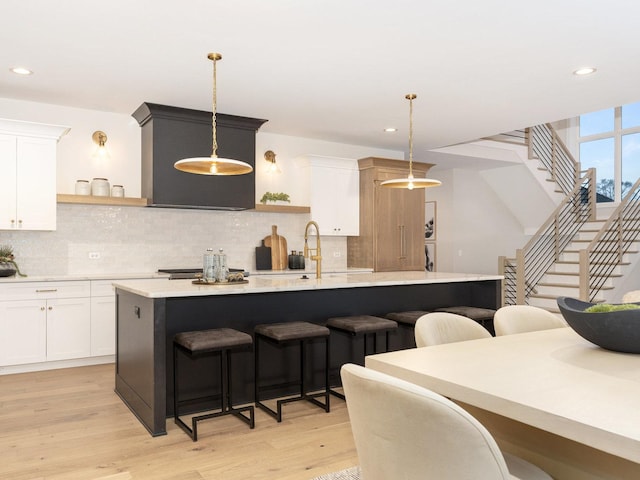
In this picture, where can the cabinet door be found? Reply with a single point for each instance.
(23, 332)
(36, 183)
(413, 231)
(8, 190)
(399, 226)
(335, 199)
(68, 328)
(103, 325)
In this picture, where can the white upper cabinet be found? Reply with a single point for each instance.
(28, 164)
(334, 194)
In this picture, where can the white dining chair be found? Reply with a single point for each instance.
(631, 297)
(404, 431)
(441, 327)
(524, 318)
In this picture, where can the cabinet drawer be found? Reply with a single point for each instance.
(44, 290)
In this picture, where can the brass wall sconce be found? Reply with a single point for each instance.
(101, 152)
(270, 157)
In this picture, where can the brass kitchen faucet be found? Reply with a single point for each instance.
(318, 255)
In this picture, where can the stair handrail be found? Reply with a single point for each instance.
(598, 260)
(544, 248)
(548, 147)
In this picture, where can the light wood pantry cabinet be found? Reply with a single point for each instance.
(28, 165)
(391, 219)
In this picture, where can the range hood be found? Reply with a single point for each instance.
(170, 134)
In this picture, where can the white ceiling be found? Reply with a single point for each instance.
(336, 70)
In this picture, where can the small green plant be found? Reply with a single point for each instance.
(7, 257)
(607, 307)
(272, 197)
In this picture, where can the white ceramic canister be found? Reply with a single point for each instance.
(100, 187)
(117, 191)
(83, 187)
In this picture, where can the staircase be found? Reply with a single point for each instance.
(574, 253)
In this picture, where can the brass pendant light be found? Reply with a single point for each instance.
(213, 165)
(411, 182)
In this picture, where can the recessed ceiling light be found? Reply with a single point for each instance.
(21, 70)
(585, 71)
(390, 129)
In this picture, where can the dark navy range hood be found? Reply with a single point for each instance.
(170, 134)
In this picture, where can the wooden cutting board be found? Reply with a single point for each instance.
(278, 246)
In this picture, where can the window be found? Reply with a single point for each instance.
(609, 141)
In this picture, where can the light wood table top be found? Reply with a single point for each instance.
(553, 380)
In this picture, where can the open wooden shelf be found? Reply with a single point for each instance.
(282, 208)
(94, 200)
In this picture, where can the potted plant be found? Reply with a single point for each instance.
(8, 266)
(275, 197)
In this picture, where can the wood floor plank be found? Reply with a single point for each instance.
(68, 424)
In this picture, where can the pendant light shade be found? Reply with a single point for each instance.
(213, 165)
(410, 182)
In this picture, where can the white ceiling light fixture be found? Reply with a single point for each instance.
(21, 71)
(411, 182)
(213, 165)
(390, 130)
(585, 71)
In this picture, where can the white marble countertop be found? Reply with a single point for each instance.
(81, 277)
(279, 283)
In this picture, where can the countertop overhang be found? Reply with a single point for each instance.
(280, 283)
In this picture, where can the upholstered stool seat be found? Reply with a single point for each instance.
(407, 320)
(362, 326)
(484, 316)
(218, 341)
(281, 334)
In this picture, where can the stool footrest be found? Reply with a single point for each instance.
(310, 397)
(236, 412)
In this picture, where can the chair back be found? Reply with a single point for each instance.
(524, 318)
(405, 431)
(440, 327)
(631, 297)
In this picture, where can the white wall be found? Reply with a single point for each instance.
(474, 227)
(75, 148)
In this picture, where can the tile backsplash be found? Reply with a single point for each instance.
(141, 240)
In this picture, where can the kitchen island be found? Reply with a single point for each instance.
(150, 313)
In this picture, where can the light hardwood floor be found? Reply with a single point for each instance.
(68, 424)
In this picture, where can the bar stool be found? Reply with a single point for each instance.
(281, 335)
(218, 341)
(484, 316)
(407, 320)
(362, 326)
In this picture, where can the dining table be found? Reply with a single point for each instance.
(549, 396)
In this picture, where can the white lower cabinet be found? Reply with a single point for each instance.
(103, 318)
(68, 328)
(52, 321)
(44, 321)
(23, 332)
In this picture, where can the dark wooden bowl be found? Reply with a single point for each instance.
(618, 331)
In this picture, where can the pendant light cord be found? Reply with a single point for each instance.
(214, 143)
(410, 97)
